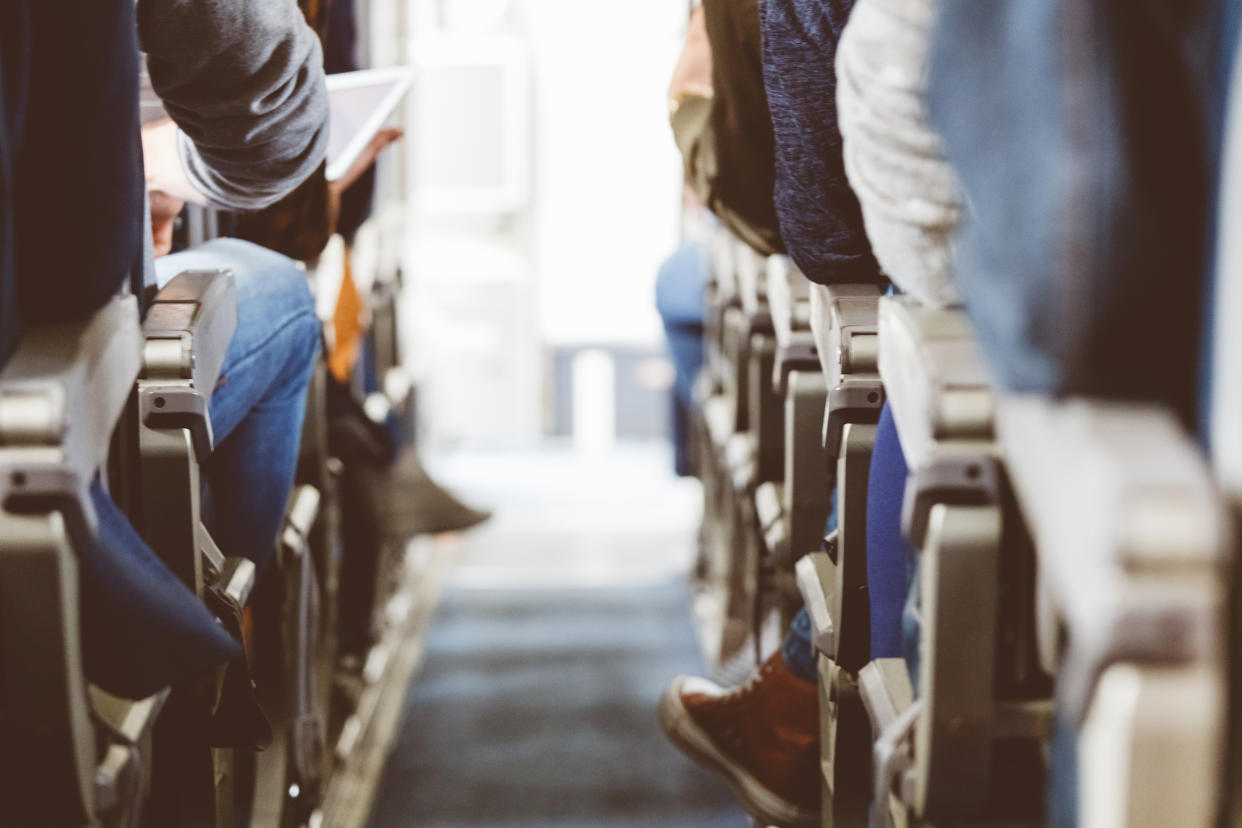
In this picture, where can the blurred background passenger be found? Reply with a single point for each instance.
(681, 287)
(719, 114)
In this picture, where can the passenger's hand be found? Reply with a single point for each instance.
(162, 161)
(164, 211)
(366, 158)
(693, 74)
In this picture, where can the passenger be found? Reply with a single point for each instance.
(820, 218)
(893, 158)
(300, 226)
(909, 204)
(680, 296)
(719, 114)
(243, 82)
(763, 736)
(1106, 122)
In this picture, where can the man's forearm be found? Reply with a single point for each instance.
(243, 80)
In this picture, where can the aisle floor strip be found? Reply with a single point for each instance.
(368, 736)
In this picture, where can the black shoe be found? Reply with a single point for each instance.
(417, 505)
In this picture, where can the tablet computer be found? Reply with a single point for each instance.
(359, 104)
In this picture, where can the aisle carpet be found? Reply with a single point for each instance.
(536, 705)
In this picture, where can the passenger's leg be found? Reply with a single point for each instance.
(680, 288)
(797, 650)
(762, 736)
(142, 628)
(888, 553)
(259, 403)
(685, 347)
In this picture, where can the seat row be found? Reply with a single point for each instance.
(1064, 639)
(121, 405)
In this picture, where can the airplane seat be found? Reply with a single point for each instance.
(78, 717)
(792, 507)
(728, 453)
(960, 720)
(1132, 553)
(211, 771)
(833, 581)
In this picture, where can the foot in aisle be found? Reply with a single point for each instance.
(762, 736)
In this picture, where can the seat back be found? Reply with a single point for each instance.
(61, 394)
(71, 86)
(72, 230)
(186, 336)
(974, 657)
(834, 581)
(1132, 544)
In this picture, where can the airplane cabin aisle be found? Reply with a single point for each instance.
(560, 622)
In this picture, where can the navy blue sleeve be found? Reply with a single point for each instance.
(820, 219)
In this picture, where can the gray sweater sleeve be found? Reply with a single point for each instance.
(243, 79)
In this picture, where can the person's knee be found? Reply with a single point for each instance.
(273, 294)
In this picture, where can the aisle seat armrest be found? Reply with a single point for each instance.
(187, 330)
(718, 415)
(769, 500)
(752, 280)
(723, 251)
(884, 685)
(796, 353)
(815, 574)
(300, 519)
(126, 720)
(789, 298)
(742, 462)
(1130, 533)
(773, 522)
(61, 395)
(844, 321)
(934, 376)
(808, 471)
(841, 314)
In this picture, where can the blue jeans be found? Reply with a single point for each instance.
(680, 299)
(259, 402)
(142, 628)
(1104, 116)
(797, 650)
(1086, 136)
